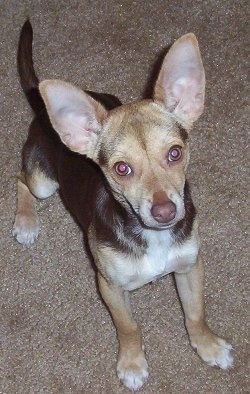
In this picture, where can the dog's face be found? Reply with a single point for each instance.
(142, 148)
(143, 153)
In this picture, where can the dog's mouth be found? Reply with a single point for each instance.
(160, 217)
(153, 224)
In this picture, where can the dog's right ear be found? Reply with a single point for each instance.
(75, 115)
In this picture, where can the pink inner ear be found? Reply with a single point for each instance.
(74, 115)
(181, 82)
(188, 98)
(182, 85)
(77, 130)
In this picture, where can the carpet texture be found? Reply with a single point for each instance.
(56, 336)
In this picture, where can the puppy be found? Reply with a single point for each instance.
(121, 171)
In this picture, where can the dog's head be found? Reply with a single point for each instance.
(142, 148)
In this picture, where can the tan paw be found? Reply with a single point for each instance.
(214, 350)
(133, 372)
(26, 229)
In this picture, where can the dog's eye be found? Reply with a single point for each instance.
(122, 168)
(175, 153)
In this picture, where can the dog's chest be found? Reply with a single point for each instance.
(162, 256)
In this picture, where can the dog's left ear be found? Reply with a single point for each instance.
(181, 81)
(75, 115)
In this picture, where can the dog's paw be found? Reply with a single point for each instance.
(133, 372)
(25, 229)
(215, 351)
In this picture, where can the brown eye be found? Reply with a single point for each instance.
(175, 153)
(122, 168)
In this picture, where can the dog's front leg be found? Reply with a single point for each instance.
(211, 348)
(132, 367)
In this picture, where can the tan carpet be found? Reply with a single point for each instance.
(55, 334)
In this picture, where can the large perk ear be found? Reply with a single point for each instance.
(74, 115)
(181, 81)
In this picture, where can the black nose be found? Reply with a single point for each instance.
(164, 213)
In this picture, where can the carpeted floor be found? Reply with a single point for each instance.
(56, 336)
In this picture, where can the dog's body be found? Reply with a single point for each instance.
(129, 194)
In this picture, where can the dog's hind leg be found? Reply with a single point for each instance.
(26, 225)
(37, 180)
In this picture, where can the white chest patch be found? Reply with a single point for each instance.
(162, 257)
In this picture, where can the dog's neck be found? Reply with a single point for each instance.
(122, 226)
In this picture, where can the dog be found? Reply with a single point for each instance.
(120, 170)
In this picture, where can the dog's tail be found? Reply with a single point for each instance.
(28, 78)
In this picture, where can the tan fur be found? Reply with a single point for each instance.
(147, 129)
(26, 226)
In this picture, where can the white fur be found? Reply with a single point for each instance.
(162, 257)
(216, 353)
(224, 359)
(135, 374)
(41, 186)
